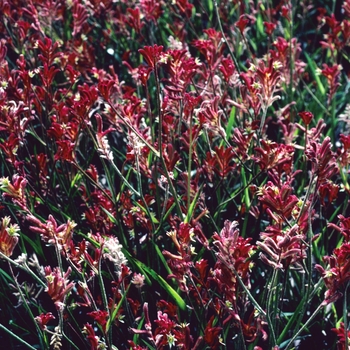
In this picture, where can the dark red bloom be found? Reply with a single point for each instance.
(269, 27)
(278, 200)
(91, 336)
(306, 117)
(58, 286)
(242, 23)
(80, 16)
(282, 249)
(337, 275)
(342, 333)
(328, 192)
(322, 159)
(101, 317)
(8, 236)
(133, 19)
(343, 228)
(151, 54)
(212, 335)
(43, 320)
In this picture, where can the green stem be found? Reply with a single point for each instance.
(292, 320)
(250, 296)
(189, 167)
(132, 128)
(270, 307)
(305, 325)
(24, 267)
(40, 333)
(104, 298)
(224, 38)
(17, 337)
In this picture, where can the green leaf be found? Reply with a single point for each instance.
(313, 68)
(230, 123)
(162, 282)
(192, 206)
(260, 25)
(110, 216)
(170, 290)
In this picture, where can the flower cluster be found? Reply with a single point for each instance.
(177, 173)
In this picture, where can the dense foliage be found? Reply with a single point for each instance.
(174, 174)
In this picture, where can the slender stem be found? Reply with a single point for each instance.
(305, 325)
(250, 296)
(160, 153)
(17, 337)
(125, 181)
(25, 303)
(104, 297)
(131, 127)
(224, 37)
(270, 307)
(189, 167)
(24, 267)
(138, 175)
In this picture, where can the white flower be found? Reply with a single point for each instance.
(113, 252)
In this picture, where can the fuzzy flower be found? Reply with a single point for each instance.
(15, 190)
(337, 276)
(43, 320)
(51, 233)
(113, 252)
(8, 236)
(103, 145)
(282, 249)
(58, 286)
(138, 280)
(323, 162)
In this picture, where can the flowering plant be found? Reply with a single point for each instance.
(174, 174)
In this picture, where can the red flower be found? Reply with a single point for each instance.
(134, 19)
(101, 317)
(306, 117)
(143, 74)
(227, 68)
(279, 201)
(10, 147)
(80, 16)
(272, 155)
(343, 228)
(282, 249)
(211, 335)
(269, 27)
(222, 161)
(328, 192)
(91, 336)
(338, 273)
(341, 334)
(151, 9)
(43, 320)
(151, 54)
(58, 286)
(322, 159)
(233, 253)
(209, 116)
(51, 233)
(242, 23)
(16, 190)
(332, 74)
(65, 151)
(8, 236)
